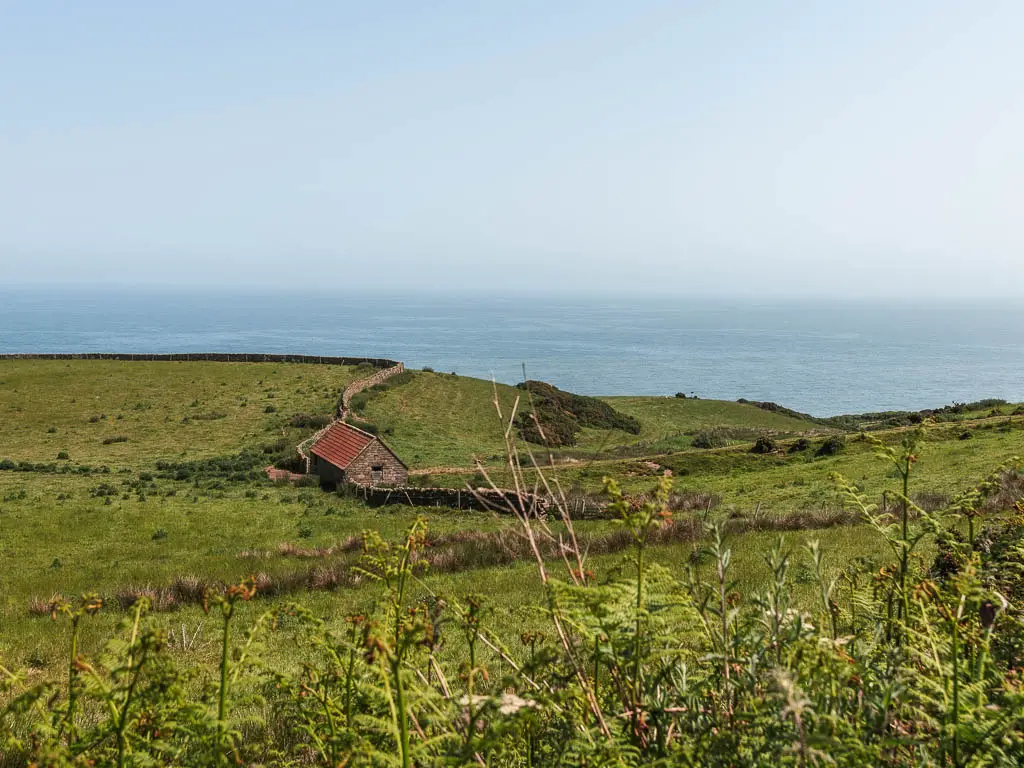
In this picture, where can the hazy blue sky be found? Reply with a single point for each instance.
(714, 147)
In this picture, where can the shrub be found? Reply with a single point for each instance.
(558, 416)
(363, 425)
(63, 456)
(681, 395)
(716, 437)
(404, 377)
(115, 439)
(776, 408)
(831, 446)
(51, 431)
(241, 466)
(270, 409)
(308, 421)
(427, 369)
(212, 416)
(799, 445)
(764, 444)
(159, 534)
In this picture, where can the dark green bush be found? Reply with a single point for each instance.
(799, 445)
(831, 446)
(763, 445)
(358, 402)
(716, 437)
(557, 416)
(776, 408)
(309, 421)
(363, 425)
(115, 439)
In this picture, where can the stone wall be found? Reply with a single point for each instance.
(487, 500)
(327, 472)
(359, 385)
(360, 471)
(218, 357)
(347, 394)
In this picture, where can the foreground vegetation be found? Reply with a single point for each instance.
(918, 663)
(674, 629)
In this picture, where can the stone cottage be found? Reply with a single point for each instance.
(346, 454)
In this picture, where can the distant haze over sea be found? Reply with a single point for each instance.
(822, 357)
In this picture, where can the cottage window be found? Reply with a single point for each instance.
(377, 473)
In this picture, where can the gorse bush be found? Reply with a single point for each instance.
(554, 417)
(715, 437)
(309, 421)
(912, 664)
(831, 446)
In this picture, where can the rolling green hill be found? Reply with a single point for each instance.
(438, 420)
(135, 412)
(136, 525)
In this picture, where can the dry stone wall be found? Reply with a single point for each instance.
(359, 385)
(483, 499)
(347, 394)
(218, 357)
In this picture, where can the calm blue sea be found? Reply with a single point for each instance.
(821, 357)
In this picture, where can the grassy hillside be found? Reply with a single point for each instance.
(125, 526)
(442, 420)
(787, 482)
(164, 410)
(669, 423)
(135, 525)
(437, 419)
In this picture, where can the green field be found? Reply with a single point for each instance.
(166, 410)
(132, 525)
(441, 420)
(184, 498)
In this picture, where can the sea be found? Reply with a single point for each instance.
(823, 357)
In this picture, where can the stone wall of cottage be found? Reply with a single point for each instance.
(328, 473)
(360, 471)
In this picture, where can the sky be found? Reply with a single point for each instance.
(865, 148)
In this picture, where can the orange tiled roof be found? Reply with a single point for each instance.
(341, 444)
